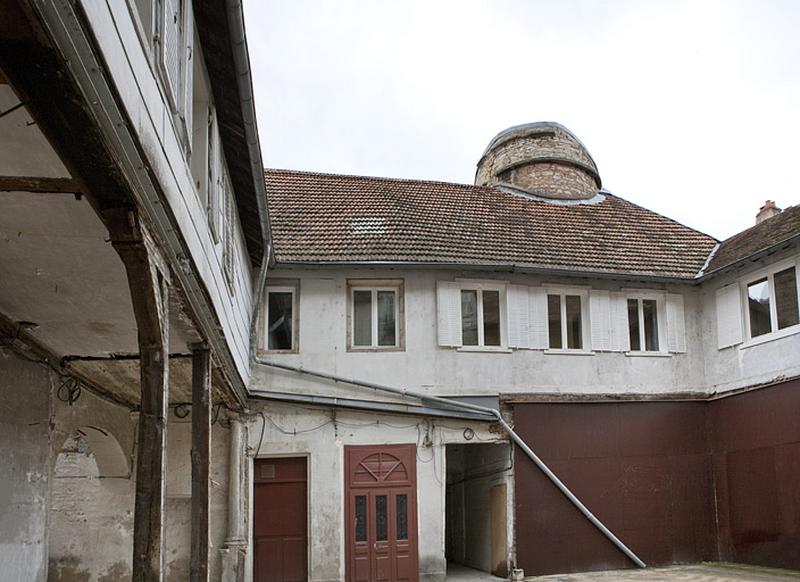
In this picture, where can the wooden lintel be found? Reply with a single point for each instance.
(148, 283)
(201, 459)
(40, 185)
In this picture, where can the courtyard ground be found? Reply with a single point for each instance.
(693, 573)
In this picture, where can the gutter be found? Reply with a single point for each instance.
(385, 407)
(244, 80)
(702, 276)
(486, 414)
(509, 268)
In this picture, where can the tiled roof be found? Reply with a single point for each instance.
(328, 218)
(771, 232)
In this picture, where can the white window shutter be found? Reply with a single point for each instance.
(729, 316)
(171, 51)
(676, 326)
(518, 315)
(537, 324)
(620, 339)
(600, 319)
(448, 306)
(188, 76)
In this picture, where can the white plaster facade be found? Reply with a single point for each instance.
(322, 434)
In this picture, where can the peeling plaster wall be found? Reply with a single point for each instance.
(92, 496)
(179, 501)
(92, 491)
(91, 519)
(748, 363)
(425, 366)
(322, 435)
(24, 472)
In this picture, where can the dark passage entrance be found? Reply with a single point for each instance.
(476, 519)
(280, 535)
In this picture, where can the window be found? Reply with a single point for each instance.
(375, 309)
(565, 321)
(643, 325)
(480, 317)
(772, 302)
(280, 318)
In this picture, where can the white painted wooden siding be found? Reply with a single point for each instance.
(144, 101)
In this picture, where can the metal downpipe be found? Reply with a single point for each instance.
(495, 414)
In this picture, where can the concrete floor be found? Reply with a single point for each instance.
(697, 573)
(461, 573)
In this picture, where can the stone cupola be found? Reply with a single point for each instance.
(542, 159)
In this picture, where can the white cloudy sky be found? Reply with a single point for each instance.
(691, 108)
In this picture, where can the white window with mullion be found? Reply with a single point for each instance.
(566, 321)
(643, 326)
(480, 318)
(375, 317)
(772, 302)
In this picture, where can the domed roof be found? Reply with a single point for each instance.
(543, 159)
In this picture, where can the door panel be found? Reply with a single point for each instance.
(280, 520)
(381, 513)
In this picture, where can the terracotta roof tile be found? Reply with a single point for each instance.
(771, 232)
(329, 218)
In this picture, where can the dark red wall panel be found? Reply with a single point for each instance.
(643, 468)
(678, 482)
(756, 442)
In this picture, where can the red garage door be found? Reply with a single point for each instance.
(280, 533)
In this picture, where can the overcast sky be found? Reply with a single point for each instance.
(690, 108)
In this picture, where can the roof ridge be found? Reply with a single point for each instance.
(379, 178)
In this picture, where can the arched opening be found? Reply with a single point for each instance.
(91, 510)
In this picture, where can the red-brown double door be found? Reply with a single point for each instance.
(381, 513)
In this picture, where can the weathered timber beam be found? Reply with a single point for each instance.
(148, 280)
(40, 185)
(39, 75)
(201, 459)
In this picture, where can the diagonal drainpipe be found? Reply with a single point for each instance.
(490, 413)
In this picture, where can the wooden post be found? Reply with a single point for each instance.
(201, 459)
(148, 280)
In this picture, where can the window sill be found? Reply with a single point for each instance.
(367, 350)
(772, 336)
(496, 349)
(569, 352)
(263, 352)
(646, 354)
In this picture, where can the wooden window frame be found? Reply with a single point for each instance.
(280, 286)
(375, 285)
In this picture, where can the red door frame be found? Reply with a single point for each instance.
(388, 471)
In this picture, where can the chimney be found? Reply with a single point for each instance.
(767, 211)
